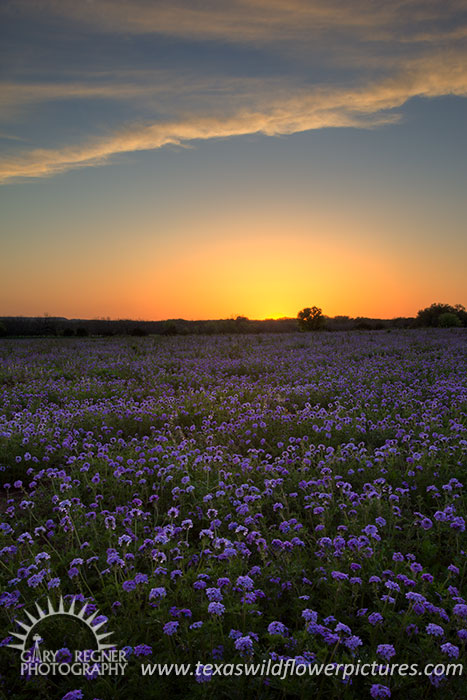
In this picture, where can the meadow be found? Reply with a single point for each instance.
(237, 499)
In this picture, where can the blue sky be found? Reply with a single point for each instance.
(146, 144)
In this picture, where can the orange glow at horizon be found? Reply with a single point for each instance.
(216, 273)
(268, 277)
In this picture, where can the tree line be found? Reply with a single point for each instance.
(308, 319)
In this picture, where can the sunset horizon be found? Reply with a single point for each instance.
(230, 317)
(169, 160)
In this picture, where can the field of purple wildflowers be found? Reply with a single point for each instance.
(238, 499)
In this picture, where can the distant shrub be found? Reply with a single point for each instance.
(449, 320)
(363, 326)
(82, 332)
(68, 332)
(169, 328)
(3, 330)
(139, 332)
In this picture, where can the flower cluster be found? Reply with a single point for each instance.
(263, 498)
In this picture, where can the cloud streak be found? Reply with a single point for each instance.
(265, 20)
(140, 85)
(14, 96)
(317, 108)
(423, 54)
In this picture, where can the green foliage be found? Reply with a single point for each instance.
(449, 320)
(310, 319)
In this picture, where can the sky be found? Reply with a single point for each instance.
(205, 159)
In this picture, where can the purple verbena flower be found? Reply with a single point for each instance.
(277, 628)
(379, 691)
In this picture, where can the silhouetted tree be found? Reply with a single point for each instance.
(241, 324)
(310, 319)
(431, 315)
(461, 313)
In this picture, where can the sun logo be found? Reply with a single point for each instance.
(61, 610)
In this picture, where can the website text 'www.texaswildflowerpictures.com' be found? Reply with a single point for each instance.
(290, 667)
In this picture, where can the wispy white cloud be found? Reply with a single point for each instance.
(324, 107)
